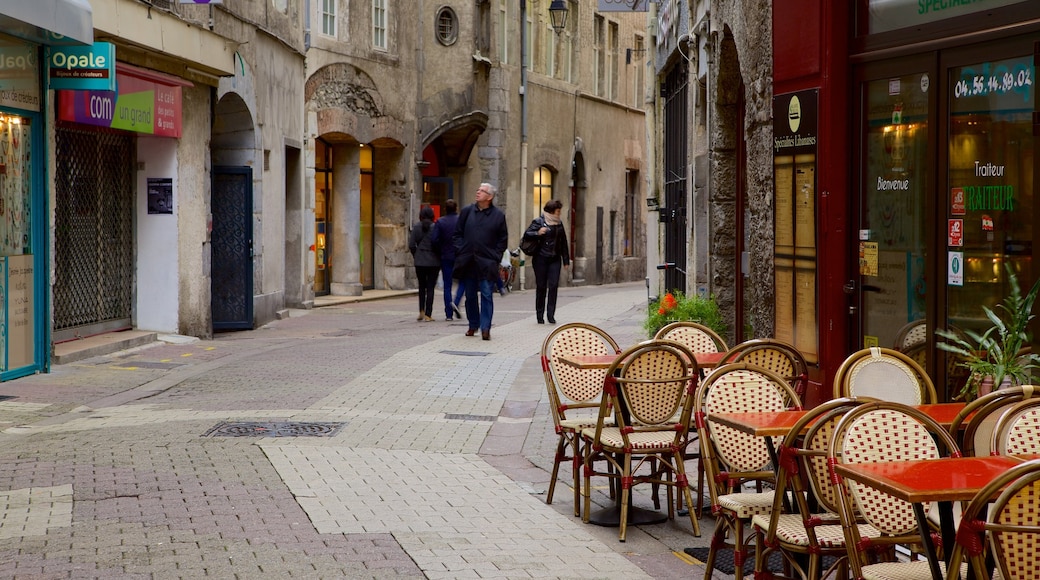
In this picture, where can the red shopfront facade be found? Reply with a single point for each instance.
(925, 189)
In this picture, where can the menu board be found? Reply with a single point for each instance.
(19, 310)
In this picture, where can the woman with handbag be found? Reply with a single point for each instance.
(552, 254)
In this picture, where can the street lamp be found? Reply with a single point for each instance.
(558, 15)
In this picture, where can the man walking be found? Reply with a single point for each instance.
(443, 240)
(481, 236)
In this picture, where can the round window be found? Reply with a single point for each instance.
(447, 26)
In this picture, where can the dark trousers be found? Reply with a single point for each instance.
(427, 276)
(547, 283)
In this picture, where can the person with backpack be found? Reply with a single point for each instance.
(548, 259)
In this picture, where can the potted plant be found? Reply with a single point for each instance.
(1000, 356)
(677, 306)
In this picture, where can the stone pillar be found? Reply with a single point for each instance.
(346, 221)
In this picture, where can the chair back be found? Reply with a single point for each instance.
(571, 388)
(652, 383)
(696, 337)
(1011, 528)
(973, 425)
(1017, 431)
(774, 355)
(911, 334)
(886, 431)
(738, 388)
(811, 449)
(884, 374)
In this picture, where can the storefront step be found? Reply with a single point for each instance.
(83, 348)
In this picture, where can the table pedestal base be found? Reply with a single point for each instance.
(611, 516)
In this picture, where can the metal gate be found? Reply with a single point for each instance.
(93, 231)
(231, 286)
(673, 214)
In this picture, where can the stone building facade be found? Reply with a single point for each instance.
(419, 102)
(714, 120)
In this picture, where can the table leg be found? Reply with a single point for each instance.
(926, 539)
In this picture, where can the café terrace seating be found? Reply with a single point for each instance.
(884, 374)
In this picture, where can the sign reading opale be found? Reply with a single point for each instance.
(82, 68)
(139, 105)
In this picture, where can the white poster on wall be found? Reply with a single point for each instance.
(955, 269)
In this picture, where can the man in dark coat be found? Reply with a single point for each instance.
(443, 239)
(481, 236)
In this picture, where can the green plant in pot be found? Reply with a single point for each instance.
(1001, 355)
(673, 307)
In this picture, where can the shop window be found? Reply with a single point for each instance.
(543, 187)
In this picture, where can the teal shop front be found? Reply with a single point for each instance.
(23, 213)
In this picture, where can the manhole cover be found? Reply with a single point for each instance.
(273, 429)
(465, 352)
(461, 417)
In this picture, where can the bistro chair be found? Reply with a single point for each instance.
(886, 375)
(973, 426)
(1017, 431)
(883, 431)
(1009, 526)
(911, 334)
(734, 459)
(774, 355)
(574, 394)
(645, 389)
(696, 336)
(813, 530)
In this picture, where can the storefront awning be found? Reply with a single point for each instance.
(48, 21)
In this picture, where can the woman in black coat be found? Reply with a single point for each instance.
(553, 253)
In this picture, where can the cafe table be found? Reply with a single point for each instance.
(943, 480)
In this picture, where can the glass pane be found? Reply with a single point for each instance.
(15, 186)
(891, 234)
(990, 204)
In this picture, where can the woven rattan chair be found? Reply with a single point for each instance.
(814, 529)
(904, 434)
(884, 374)
(696, 337)
(1011, 529)
(911, 334)
(650, 384)
(973, 426)
(732, 458)
(774, 355)
(574, 393)
(1017, 431)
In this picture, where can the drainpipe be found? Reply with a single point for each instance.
(523, 124)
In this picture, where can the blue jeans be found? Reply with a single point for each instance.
(479, 316)
(447, 266)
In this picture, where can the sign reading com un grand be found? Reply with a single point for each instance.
(139, 105)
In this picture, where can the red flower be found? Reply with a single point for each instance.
(661, 311)
(669, 301)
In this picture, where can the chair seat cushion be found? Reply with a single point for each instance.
(611, 438)
(579, 423)
(918, 570)
(748, 505)
(790, 530)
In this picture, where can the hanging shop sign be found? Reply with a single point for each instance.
(139, 104)
(622, 5)
(19, 74)
(82, 68)
(885, 15)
